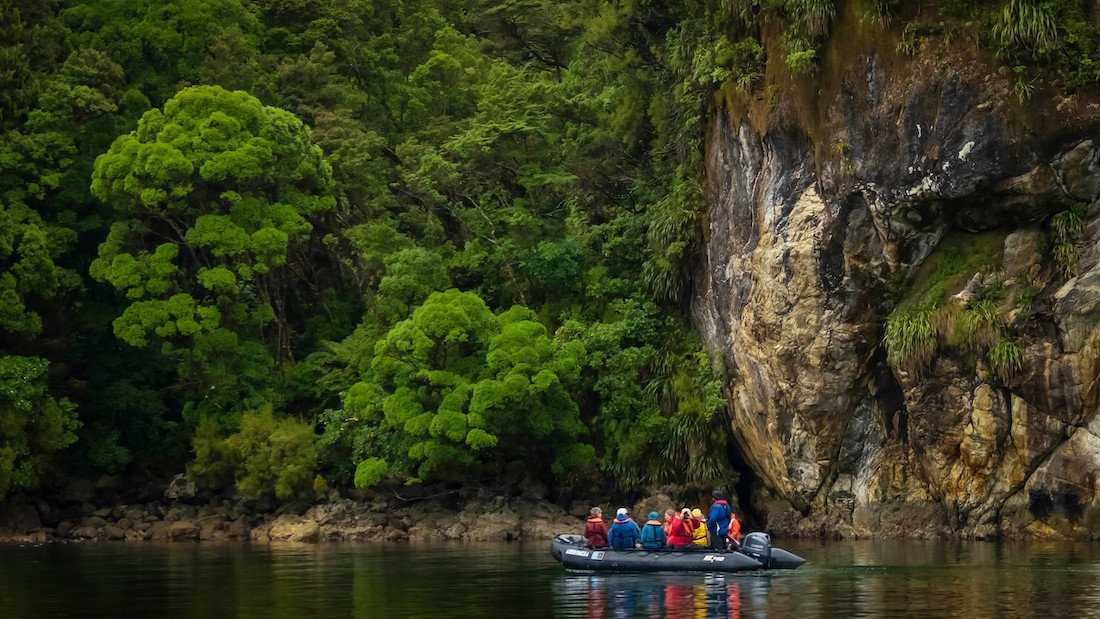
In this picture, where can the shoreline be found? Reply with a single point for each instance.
(494, 519)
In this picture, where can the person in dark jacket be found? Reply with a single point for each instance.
(624, 533)
(718, 520)
(595, 530)
(653, 533)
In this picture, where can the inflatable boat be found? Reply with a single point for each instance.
(756, 554)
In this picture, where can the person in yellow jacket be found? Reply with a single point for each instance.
(700, 533)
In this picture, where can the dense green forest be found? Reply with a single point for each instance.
(294, 244)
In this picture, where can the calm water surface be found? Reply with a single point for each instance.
(860, 579)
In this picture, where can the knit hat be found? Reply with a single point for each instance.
(697, 513)
(654, 515)
(621, 513)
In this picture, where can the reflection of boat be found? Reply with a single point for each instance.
(758, 554)
(675, 595)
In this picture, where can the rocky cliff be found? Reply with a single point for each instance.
(917, 195)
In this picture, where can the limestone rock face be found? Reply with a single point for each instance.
(821, 215)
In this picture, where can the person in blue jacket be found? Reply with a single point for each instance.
(653, 533)
(624, 533)
(718, 520)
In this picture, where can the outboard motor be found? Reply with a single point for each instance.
(758, 546)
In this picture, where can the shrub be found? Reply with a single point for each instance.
(33, 425)
(370, 472)
(268, 457)
(801, 56)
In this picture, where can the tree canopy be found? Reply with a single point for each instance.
(284, 244)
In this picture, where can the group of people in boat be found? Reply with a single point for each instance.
(720, 530)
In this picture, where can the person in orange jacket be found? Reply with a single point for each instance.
(669, 515)
(734, 536)
(595, 530)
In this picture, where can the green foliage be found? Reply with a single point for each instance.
(948, 269)
(1067, 227)
(543, 157)
(457, 386)
(213, 195)
(801, 58)
(1029, 25)
(924, 315)
(910, 338)
(1006, 359)
(33, 424)
(978, 327)
(812, 16)
(370, 471)
(268, 457)
(162, 43)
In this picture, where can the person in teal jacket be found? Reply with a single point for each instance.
(653, 533)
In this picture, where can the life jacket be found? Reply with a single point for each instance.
(735, 528)
(699, 535)
(595, 531)
(653, 535)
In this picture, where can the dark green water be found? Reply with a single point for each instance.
(861, 579)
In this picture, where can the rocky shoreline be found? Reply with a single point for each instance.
(479, 519)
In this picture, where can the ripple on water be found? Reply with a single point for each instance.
(843, 579)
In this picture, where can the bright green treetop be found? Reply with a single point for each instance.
(457, 384)
(213, 193)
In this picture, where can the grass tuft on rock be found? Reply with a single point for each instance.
(1067, 227)
(924, 315)
(1006, 359)
(910, 339)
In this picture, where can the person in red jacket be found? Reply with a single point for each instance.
(682, 530)
(595, 530)
(734, 535)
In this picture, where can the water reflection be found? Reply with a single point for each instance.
(862, 579)
(701, 596)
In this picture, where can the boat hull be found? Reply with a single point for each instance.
(571, 551)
